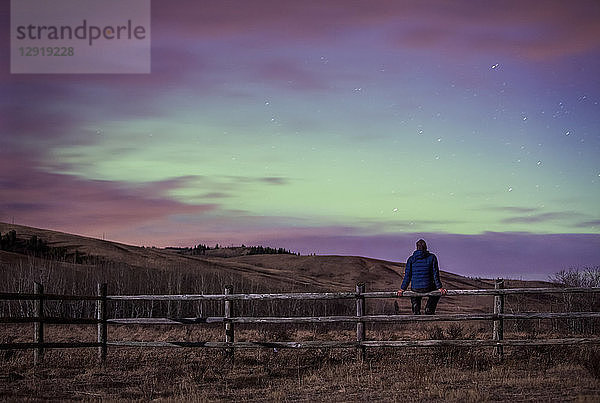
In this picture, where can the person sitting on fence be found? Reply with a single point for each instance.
(423, 273)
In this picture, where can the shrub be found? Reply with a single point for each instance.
(587, 277)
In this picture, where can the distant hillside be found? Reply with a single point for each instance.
(269, 272)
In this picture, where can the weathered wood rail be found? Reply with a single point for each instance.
(229, 320)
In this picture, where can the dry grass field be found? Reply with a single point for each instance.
(448, 374)
(386, 374)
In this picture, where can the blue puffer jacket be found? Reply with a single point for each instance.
(422, 271)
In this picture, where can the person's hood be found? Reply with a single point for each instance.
(420, 254)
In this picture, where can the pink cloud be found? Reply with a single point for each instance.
(522, 29)
(69, 203)
(525, 29)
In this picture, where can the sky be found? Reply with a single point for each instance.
(328, 127)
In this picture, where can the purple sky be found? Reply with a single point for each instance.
(334, 127)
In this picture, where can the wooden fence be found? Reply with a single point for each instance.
(229, 320)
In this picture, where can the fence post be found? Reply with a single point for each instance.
(499, 323)
(360, 326)
(101, 316)
(229, 338)
(38, 327)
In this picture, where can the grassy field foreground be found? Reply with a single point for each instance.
(449, 374)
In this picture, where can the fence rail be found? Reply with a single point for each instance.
(292, 295)
(308, 319)
(229, 320)
(343, 295)
(312, 344)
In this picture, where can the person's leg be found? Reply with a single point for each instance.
(431, 305)
(416, 301)
(416, 305)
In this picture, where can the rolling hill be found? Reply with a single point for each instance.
(255, 273)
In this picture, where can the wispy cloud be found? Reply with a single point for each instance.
(387, 226)
(275, 180)
(239, 180)
(589, 224)
(543, 217)
(513, 209)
